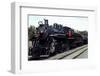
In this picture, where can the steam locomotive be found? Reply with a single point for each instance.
(54, 39)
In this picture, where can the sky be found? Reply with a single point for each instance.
(77, 23)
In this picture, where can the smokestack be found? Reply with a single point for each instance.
(46, 22)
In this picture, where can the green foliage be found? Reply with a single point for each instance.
(85, 33)
(31, 32)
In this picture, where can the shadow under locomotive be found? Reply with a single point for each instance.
(50, 40)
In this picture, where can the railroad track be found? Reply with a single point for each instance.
(71, 54)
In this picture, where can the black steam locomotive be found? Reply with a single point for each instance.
(54, 39)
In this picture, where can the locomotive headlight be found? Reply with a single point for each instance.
(41, 31)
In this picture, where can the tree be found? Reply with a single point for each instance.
(31, 32)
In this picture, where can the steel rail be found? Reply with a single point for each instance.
(67, 53)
